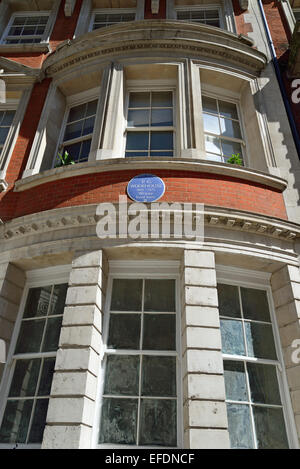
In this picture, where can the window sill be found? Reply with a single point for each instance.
(151, 164)
(43, 47)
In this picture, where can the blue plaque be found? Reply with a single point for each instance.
(146, 188)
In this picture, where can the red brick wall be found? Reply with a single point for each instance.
(180, 187)
(23, 145)
(241, 26)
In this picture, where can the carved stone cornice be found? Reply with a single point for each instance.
(156, 36)
(85, 216)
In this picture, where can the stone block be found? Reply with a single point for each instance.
(78, 359)
(203, 296)
(202, 361)
(205, 316)
(67, 437)
(204, 386)
(82, 315)
(71, 410)
(208, 438)
(208, 414)
(196, 258)
(201, 337)
(80, 383)
(80, 336)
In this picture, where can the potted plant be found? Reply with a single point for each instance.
(64, 159)
(235, 159)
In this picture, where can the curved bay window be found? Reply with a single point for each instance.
(24, 416)
(252, 371)
(79, 131)
(140, 394)
(150, 124)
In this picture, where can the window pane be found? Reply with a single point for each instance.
(73, 130)
(161, 140)
(270, 428)
(122, 375)
(25, 378)
(159, 376)
(88, 126)
(229, 304)
(212, 144)
(209, 105)
(162, 117)
(124, 331)
(159, 332)
(255, 304)
(3, 134)
(211, 124)
(52, 334)
(126, 295)
(73, 150)
(162, 99)
(232, 337)
(260, 341)
(230, 128)
(139, 100)
(58, 299)
(138, 118)
(263, 384)
(91, 108)
(77, 113)
(15, 421)
(235, 381)
(160, 295)
(228, 110)
(39, 421)
(137, 141)
(158, 422)
(239, 426)
(37, 302)
(118, 421)
(46, 377)
(231, 148)
(30, 336)
(7, 117)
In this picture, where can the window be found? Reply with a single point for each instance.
(222, 129)
(210, 16)
(297, 14)
(150, 124)
(79, 131)
(140, 391)
(6, 119)
(24, 417)
(251, 369)
(26, 29)
(108, 17)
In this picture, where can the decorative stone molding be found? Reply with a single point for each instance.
(180, 164)
(69, 7)
(156, 36)
(85, 216)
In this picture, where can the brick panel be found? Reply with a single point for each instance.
(180, 187)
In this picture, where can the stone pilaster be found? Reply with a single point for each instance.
(286, 294)
(205, 417)
(12, 281)
(73, 394)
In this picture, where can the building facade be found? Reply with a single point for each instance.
(115, 334)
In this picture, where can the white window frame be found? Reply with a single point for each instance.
(72, 101)
(10, 105)
(261, 281)
(145, 270)
(35, 278)
(44, 37)
(203, 8)
(243, 140)
(148, 86)
(109, 11)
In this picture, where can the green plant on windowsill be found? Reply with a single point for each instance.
(235, 159)
(63, 159)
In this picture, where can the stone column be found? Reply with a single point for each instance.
(285, 284)
(205, 417)
(71, 409)
(12, 282)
